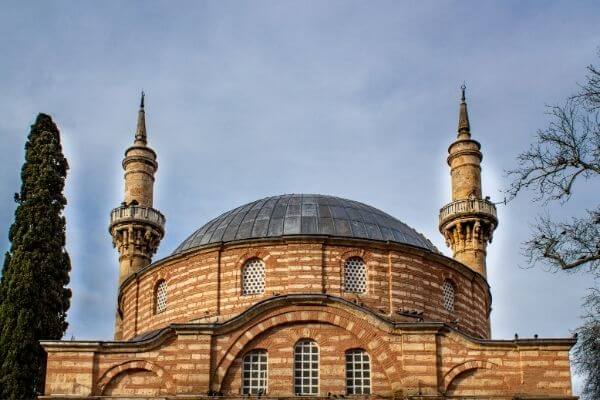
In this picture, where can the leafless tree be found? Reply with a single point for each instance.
(564, 154)
(587, 351)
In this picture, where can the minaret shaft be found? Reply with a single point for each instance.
(469, 221)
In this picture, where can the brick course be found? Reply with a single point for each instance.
(207, 284)
(407, 357)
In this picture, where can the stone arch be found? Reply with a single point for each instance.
(364, 333)
(135, 365)
(261, 254)
(361, 253)
(291, 336)
(470, 365)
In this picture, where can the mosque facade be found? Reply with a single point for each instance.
(307, 295)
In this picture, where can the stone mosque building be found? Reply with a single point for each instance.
(307, 295)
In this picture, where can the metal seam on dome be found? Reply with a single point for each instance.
(270, 214)
(249, 206)
(239, 212)
(254, 221)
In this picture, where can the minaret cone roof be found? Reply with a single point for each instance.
(464, 129)
(140, 132)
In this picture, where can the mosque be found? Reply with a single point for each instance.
(306, 295)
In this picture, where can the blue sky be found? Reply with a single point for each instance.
(250, 99)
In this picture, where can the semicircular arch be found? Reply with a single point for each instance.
(134, 365)
(365, 334)
(466, 366)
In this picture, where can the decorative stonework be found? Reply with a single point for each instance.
(138, 234)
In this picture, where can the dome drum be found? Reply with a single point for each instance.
(392, 279)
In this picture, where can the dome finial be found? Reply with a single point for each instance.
(464, 128)
(142, 101)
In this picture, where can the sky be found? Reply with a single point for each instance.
(249, 99)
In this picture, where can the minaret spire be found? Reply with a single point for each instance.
(140, 132)
(464, 128)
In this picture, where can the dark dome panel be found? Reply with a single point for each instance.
(304, 214)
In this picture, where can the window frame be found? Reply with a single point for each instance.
(345, 278)
(243, 387)
(449, 283)
(243, 285)
(311, 385)
(158, 309)
(363, 353)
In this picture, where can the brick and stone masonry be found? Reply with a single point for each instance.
(185, 323)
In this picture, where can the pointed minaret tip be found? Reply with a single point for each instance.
(464, 128)
(140, 132)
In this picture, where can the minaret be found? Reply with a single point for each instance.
(136, 227)
(468, 222)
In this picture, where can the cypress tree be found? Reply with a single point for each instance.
(33, 296)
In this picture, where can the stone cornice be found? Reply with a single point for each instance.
(153, 340)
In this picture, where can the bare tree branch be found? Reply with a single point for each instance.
(590, 92)
(566, 245)
(565, 153)
(568, 149)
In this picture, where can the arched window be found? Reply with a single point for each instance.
(355, 275)
(448, 295)
(160, 297)
(253, 277)
(358, 372)
(306, 368)
(254, 374)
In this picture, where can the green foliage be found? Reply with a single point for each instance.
(33, 296)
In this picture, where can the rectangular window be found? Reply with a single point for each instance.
(254, 374)
(358, 372)
(306, 368)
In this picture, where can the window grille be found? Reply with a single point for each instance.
(358, 372)
(448, 293)
(253, 277)
(306, 368)
(254, 375)
(355, 275)
(161, 297)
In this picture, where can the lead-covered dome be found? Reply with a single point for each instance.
(304, 214)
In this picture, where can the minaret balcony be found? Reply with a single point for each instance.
(137, 215)
(468, 208)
